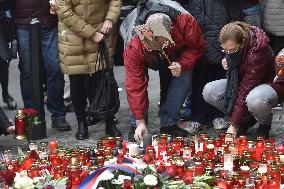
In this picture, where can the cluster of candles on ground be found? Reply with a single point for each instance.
(232, 163)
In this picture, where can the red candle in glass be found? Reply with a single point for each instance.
(75, 173)
(52, 146)
(55, 160)
(273, 184)
(34, 172)
(259, 149)
(58, 172)
(161, 150)
(20, 125)
(222, 184)
(199, 169)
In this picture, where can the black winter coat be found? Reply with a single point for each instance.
(4, 122)
(212, 15)
(26, 10)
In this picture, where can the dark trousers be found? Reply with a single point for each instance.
(204, 73)
(79, 95)
(276, 43)
(81, 89)
(4, 75)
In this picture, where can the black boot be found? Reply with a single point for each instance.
(174, 131)
(82, 132)
(111, 129)
(263, 130)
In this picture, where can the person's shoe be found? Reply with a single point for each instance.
(9, 100)
(220, 123)
(82, 132)
(131, 134)
(111, 129)
(243, 127)
(263, 130)
(192, 127)
(60, 124)
(174, 131)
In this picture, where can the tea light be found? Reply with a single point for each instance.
(133, 149)
(33, 146)
(262, 168)
(282, 158)
(228, 162)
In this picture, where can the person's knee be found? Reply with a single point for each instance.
(209, 93)
(258, 105)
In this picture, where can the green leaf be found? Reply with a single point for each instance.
(21, 153)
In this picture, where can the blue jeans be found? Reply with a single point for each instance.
(176, 94)
(54, 76)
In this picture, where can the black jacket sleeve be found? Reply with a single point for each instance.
(4, 122)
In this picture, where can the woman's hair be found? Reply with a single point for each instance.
(235, 31)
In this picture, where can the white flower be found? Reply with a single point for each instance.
(23, 182)
(113, 181)
(117, 182)
(180, 163)
(124, 177)
(111, 161)
(150, 180)
(210, 146)
(244, 168)
(107, 175)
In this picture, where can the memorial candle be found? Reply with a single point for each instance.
(53, 145)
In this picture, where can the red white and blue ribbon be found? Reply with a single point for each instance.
(92, 181)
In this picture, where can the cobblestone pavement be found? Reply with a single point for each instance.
(97, 131)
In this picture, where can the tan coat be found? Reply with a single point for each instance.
(78, 21)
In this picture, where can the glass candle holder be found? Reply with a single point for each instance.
(199, 169)
(33, 146)
(229, 138)
(20, 125)
(53, 146)
(228, 162)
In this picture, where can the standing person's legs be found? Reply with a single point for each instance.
(25, 66)
(4, 80)
(54, 78)
(79, 99)
(260, 102)
(170, 110)
(203, 112)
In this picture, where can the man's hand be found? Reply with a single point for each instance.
(98, 37)
(225, 64)
(175, 69)
(141, 129)
(107, 26)
(10, 130)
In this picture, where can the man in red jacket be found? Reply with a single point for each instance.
(187, 49)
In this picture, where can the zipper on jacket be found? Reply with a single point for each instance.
(84, 40)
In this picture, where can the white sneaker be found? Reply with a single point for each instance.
(192, 127)
(220, 123)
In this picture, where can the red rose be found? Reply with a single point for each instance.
(172, 171)
(7, 176)
(127, 184)
(30, 112)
